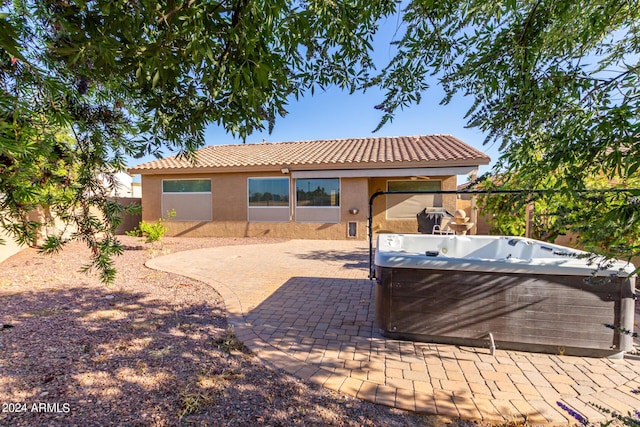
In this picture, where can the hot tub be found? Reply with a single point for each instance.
(526, 294)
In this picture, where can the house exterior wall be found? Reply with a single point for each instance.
(151, 197)
(229, 209)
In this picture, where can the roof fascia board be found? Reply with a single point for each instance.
(313, 167)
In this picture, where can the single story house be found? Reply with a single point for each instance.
(305, 189)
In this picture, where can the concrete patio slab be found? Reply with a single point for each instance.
(307, 307)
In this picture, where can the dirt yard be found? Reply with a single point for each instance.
(151, 350)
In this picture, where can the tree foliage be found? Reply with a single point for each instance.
(555, 84)
(556, 213)
(85, 83)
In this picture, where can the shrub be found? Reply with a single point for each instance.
(134, 233)
(152, 232)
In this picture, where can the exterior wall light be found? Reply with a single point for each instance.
(354, 211)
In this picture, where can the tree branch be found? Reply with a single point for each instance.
(528, 22)
(170, 14)
(235, 21)
(605, 83)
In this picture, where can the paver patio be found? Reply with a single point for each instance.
(307, 307)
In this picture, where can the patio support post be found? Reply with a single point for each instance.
(372, 274)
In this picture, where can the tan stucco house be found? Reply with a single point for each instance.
(305, 189)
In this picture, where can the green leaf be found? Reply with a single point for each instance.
(156, 79)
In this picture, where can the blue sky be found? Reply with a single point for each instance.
(337, 114)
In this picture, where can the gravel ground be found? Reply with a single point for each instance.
(151, 350)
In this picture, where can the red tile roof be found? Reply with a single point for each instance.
(350, 153)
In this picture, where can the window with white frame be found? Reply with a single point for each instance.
(407, 206)
(189, 198)
(318, 200)
(268, 199)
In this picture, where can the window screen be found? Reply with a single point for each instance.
(189, 198)
(407, 206)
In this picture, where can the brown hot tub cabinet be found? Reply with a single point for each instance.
(458, 299)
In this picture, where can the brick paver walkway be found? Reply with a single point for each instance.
(307, 307)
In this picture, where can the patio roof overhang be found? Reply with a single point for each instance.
(384, 173)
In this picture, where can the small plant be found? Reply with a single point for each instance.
(192, 402)
(209, 385)
(582, 420)
(632, 419)
(152, 232)
(229, 343)
(622, 330)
